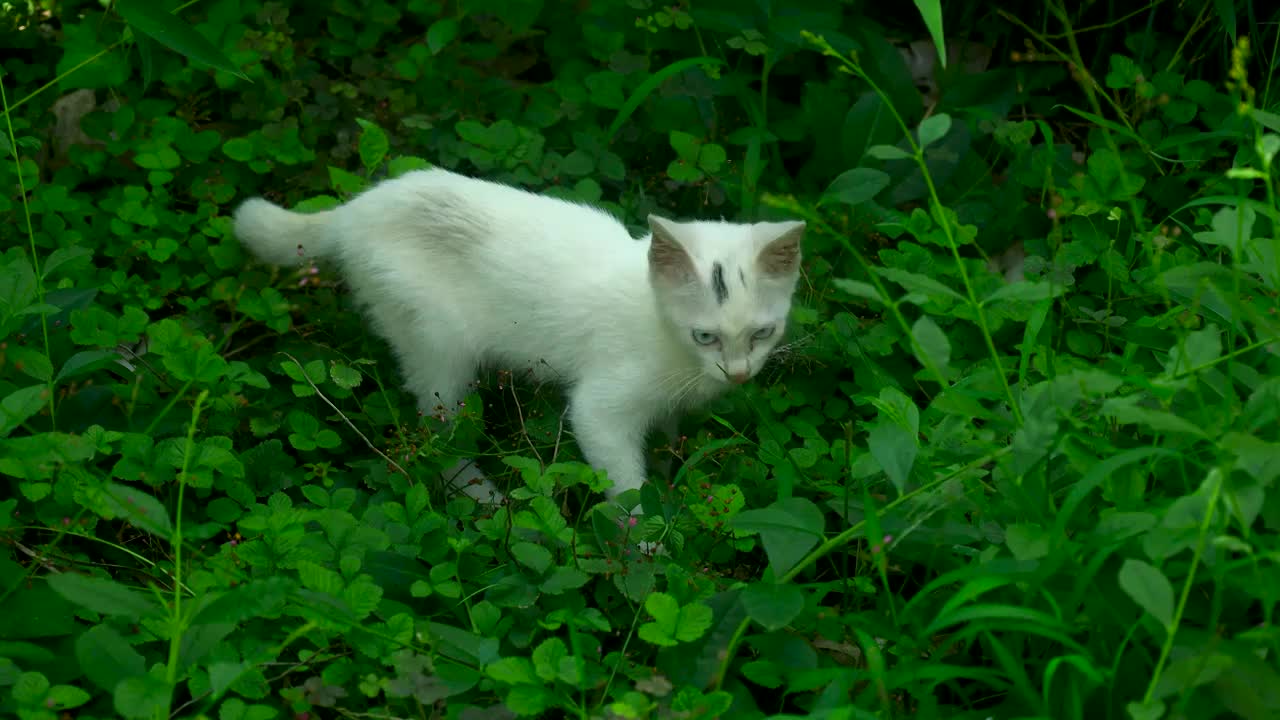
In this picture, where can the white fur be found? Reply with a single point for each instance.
(459, 273)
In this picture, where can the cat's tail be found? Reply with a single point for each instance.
(282, 237)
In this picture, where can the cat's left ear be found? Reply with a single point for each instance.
(781, 254)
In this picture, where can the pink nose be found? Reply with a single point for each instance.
(739, 378)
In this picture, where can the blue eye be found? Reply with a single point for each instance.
(762, 333)
(705, 338)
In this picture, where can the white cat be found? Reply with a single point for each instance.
(459, 273)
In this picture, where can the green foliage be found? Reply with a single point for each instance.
(1017, 460)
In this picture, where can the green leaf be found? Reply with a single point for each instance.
(1027, 542)
(65, 697)
(685, 145)
(142, 696)
(1025, 292)
(711, 157)
(104, 596)
(30, 362)
(563, 579)
(547, 657)
(1126, 411)
(650, 84)
(856, 186)
(933, 128)
(345, 182)
(344, 376)
(931, 12)
(441, 33)
(138, 508)
(894, 439)
(1150, 589)
(512, 671)
(888, 152)
(859, 289)
(19, 405)
(673, 624)
(85, 362)
(933, 345)
(30, 688)
(240, 149)
(1198, 350)
(153, 20)
(931, 288)
(373, 144)
(74, 254)
(772, 605)
(789, 529)
(107, 658)
(533, 556)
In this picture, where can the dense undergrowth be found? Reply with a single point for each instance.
(1017, 460)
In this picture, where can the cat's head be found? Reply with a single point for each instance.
(726, 289)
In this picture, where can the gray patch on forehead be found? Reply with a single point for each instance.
(717, 283)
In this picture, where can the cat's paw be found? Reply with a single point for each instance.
(466, 479)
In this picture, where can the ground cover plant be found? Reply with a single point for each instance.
(1017, 459)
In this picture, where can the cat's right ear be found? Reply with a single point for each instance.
(668, 260)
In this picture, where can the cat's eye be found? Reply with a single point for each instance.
(705, 338)
(762, 333)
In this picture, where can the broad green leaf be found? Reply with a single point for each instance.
(1027, 542)
(134, 505)
(107, 658)
(1198, 350)
(104, 596)
(167, 29)
(19, 405)
(547, 658)
(856, 186)
(533, 556)
(789, 529)
(773, 605)
(859, 289)
(1150, 589)
(31, 362)
(143, 696)
(85, 362)
(373, 144)
(894, 439)
(512, 671)
(933, 128)
(932, 344)
(441, 33)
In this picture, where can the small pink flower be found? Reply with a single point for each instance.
(66, 521)
(1052, 214)
(632, 521)
(888, 539)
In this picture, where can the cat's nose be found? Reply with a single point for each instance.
(739, 378)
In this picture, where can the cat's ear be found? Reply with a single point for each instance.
(781, 255)
(668, 260)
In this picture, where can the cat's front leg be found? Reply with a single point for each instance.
(610, 436)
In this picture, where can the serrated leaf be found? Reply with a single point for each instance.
(373, 145)
(1026, 292)
(1150, 589)
(932, 343)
